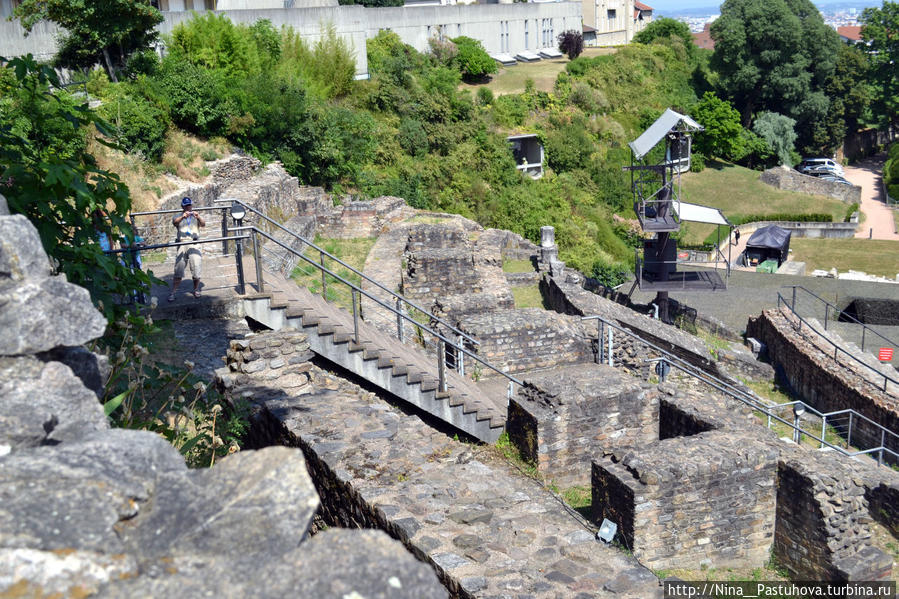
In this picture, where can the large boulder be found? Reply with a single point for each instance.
(21, 253)
(44, 403)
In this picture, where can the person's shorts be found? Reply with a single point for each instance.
(188, 256)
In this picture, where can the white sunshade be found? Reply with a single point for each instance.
(700, 214)
(659, 129)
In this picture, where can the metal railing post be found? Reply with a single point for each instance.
(324, 280)
(441, 365)
(260, 284)
(849, 434)
(460, 357)
(600, 354)
(224, 231)
(356, 311)
(883, 435)
(399, 319)
(826, 313)
(241, 284)
(511, 389)
(793, 307)
(610, 347)
(823, 427)
(863, 337)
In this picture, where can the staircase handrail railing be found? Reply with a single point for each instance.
(828, 307)
(753, 401)
(781, 301)
(357, 291)
(364, 277)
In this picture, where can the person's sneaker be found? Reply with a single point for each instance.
(171, 297)
(197, 294)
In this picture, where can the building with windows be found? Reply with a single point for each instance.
(612, 20)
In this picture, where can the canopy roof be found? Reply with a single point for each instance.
(771, 236)
(659, 129)
(700, 214)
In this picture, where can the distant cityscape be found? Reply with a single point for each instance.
(835, 14)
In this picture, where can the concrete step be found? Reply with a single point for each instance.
(407, 372)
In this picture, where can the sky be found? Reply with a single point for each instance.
(674, 7)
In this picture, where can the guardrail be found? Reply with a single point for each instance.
(842, 422)
(781, 301)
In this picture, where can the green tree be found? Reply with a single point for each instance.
(472, 60)
(665, 29)
(96, 31)
(775, 55)
(60, 189)
(880, 31)
(723, 132)
(850, 97)
(777, 131)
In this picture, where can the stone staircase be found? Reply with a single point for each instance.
(406, 372)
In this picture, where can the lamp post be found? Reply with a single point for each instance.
(798, 410)
(238, 212)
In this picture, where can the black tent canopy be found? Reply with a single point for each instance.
(768, 243)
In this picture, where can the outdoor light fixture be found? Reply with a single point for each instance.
(607, 531)
(238, 211)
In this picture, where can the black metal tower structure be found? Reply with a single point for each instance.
(659, 156)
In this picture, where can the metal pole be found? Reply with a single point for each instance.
(883, 435)
(849, 434)
(793, 307)
(441, 364)
(826, 312)
(324, 281)
(599, 349)
(260, 284)
(511, 389)
(823, 427)
(356, 310)
(863, 337)
(460, 357)
(399, 319)
(224, 230)
(241, 285)
(610, 347)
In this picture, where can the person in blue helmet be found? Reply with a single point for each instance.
(187, 224)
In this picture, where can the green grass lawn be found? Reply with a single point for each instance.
(351, 251)
(510, 80)
(738, 191)
(871, 256)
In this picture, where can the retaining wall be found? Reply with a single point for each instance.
(783, 177)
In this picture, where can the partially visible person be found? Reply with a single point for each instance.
(187, 224)
(98, 217)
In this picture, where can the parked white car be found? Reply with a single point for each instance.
(810, 166)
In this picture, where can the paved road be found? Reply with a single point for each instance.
(879, 221)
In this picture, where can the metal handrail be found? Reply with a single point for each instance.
(174, 211)
(828, 306)
(156, 246)
(344, 264)
(837, 348)
(400, 314)
(751, 400)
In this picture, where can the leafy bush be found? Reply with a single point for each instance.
(327, 67)
(722, 136)
(591, 101)
(140, 126)
(412, 137)
(697, 162)
(485, 96)
(472, 60)
(571, 42)
(211, 40)
(850, 211)
(197, 97)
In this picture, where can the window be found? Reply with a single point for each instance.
(613, 17)
(504, 36)
(547, 39)
(526, 47)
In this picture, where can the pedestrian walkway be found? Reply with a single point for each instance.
(878, 222)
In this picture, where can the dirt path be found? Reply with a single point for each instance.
(879, 223)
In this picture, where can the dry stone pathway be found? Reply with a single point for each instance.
(487, 529)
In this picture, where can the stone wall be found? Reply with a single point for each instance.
(528, 339)
(677, 420)
(559, 421)
(822, 518)
(86, 510)
(354, 219)
(706, 499)
(784, 177)
(812, 374)
(431, 273)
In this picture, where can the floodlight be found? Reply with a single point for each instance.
(238, 211)
(607, 531)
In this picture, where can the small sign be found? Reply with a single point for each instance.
(683, 255)
(885, 354)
